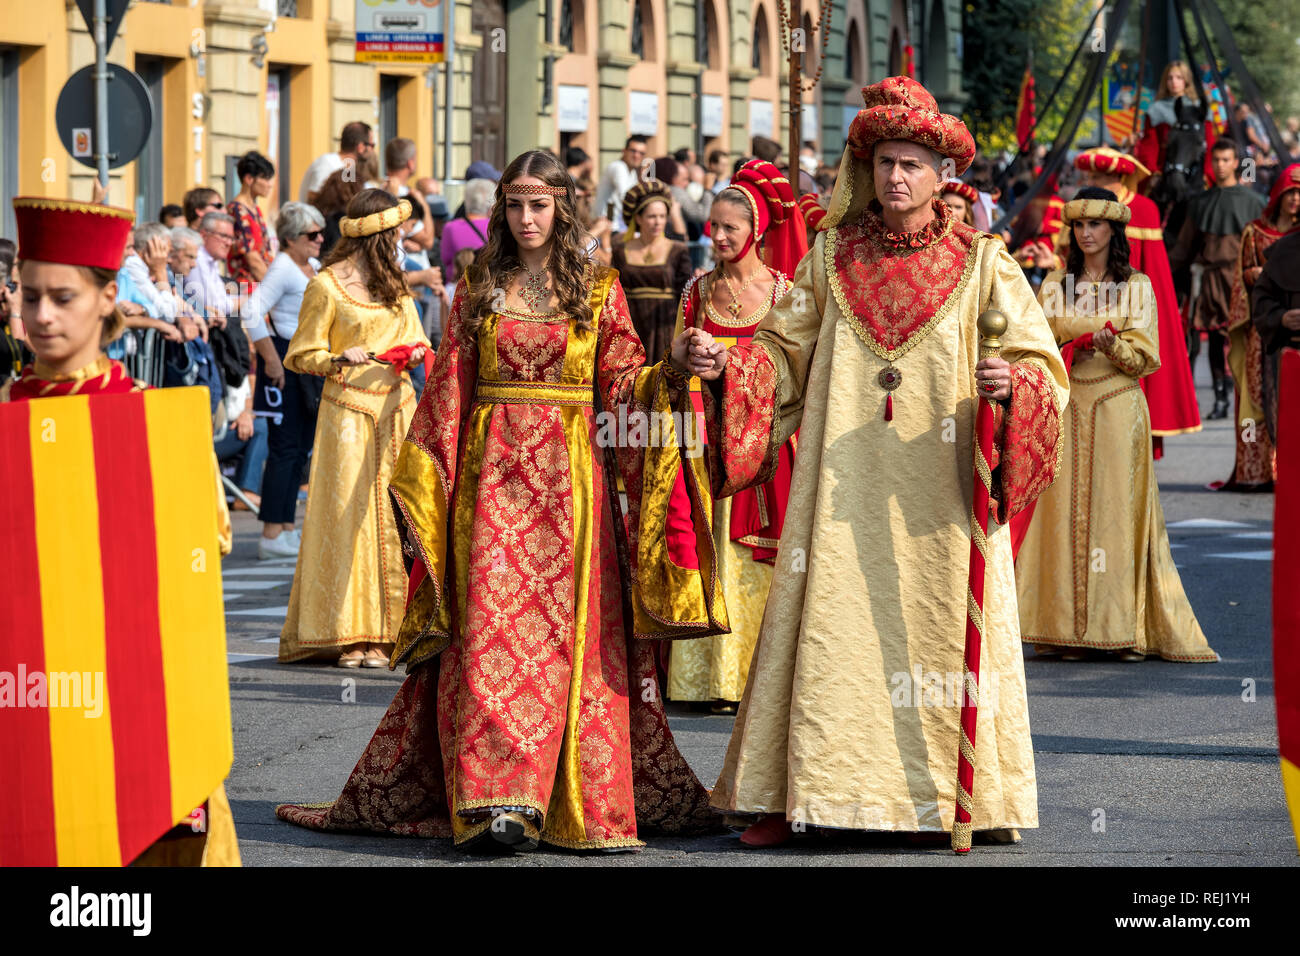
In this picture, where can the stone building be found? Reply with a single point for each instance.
(279, 76)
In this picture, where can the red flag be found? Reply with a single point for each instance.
(1025, 111)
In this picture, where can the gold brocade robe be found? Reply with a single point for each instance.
(850, 715)
(349, 585)
(529, 686)
(1095, 570)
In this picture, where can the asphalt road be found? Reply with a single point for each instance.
(1179, 761)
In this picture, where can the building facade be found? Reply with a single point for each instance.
(279, 76)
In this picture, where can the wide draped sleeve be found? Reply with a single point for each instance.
(1027, 429)
(309, 351)
(659, 448)
(1136, 349)
(423, 487)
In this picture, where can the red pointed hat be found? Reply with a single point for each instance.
(71, 233)
(1288, 180)
(898, 107)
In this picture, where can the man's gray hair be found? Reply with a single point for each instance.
(936, 157)
(184, 234)
(296, 218)
(479, 196)
(210, 219)
(147, 231)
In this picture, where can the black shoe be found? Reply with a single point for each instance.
(1220, 409)
(514, 830)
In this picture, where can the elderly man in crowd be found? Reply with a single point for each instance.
(205, 286)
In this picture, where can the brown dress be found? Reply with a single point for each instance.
(652, 292)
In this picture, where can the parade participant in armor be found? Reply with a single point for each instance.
(1211, 236)
(1171, 396)
(1254, 372)
(348, 589)
(531, 709)
(755, 212)
(874, 357)
(1106, 501)
(652, 268)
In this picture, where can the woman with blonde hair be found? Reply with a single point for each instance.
(358, 329)
(1162, 117)
(531, 710)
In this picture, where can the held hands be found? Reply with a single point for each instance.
(417, 357)
(993, 378)
(695, 352)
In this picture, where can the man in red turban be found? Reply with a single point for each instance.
(850, 715)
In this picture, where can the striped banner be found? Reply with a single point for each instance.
(114, 704)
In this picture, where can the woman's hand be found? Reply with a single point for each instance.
(706, 357)
(1103, 339)
(353, 356)
(993, 378)
(417, 357)
(244, 425)
(168, 331)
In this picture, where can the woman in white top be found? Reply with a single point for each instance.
(271, 317)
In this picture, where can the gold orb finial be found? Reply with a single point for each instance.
(992, 324)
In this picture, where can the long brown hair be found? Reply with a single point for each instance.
(498, 260)
(1118, 263)
(374, 255)
(344, 184)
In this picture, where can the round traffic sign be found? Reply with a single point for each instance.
(130, 116)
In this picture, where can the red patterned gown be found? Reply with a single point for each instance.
(524, 688)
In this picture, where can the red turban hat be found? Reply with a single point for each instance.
(898, 107)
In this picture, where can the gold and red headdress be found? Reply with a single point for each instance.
(1102, 159)
(71, 233)
(771, 202)
(1286, 181)
(965, 190)
(813, 212)
(897, 107)
(1113, 210)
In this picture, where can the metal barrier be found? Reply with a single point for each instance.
(141, 351)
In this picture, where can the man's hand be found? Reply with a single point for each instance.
(168, 331)
(216, 320)
(155, 257)
(273, 371)
(130, 309)
(1291, 319)
(993, 378)
(188, 328)
(244, 425)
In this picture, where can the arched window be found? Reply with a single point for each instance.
(854, 65)
(709, 52)
(761, 54)
(565, 39)
(638, 30)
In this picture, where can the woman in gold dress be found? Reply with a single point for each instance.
(652, 268)
(531, 711)
(349, 586)
(1095, 573)
(755, 212)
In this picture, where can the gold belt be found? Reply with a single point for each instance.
(533, 393)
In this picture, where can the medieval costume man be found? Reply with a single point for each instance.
(1095, 572)
(1254, 373)
(1211, 238)
(531, 710)
(1275, 313)
(755, 212)
(850, 715)
(1169, 390)
(118, 790)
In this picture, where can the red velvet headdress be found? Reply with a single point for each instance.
(776, 225)
(965, 190)
(1103, 159)
(813, 211)
(898, 107)
(1287, 180)
(71, 233)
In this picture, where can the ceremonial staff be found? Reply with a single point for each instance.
(991, 326)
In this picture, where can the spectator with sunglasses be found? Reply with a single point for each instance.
(198, 202)
(271, 318)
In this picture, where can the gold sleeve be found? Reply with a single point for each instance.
(1136, 350)
(309, 350)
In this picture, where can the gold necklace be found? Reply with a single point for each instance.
(533, 291)
(1095, 280)
(646, 250)
(734, 305)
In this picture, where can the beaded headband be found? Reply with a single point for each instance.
(1096, 209)
(389, 218)
(532, 189)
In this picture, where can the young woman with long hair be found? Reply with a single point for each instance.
(1095, 573)
(531, 710)
(359, 330)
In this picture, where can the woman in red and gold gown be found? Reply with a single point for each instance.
(531, 710)
(1254, 377)
(756, 210)
(69, 254)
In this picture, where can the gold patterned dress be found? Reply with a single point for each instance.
(1095, 570)
(350, 585)
(716, 668)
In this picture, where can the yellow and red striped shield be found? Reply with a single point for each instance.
(111, 605)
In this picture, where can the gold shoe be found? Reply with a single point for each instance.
(1131, 657)
(351, 659)
(374, 658)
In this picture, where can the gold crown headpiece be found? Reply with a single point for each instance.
(389, 218)
(532, 189)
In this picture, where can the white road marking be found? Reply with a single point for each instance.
(1246, 555)
(261, 612)
(1208, 523)
(286, 571)
(227, 596)
(1254, 535)
(253, 585)
(244, 658)
(267, 640)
